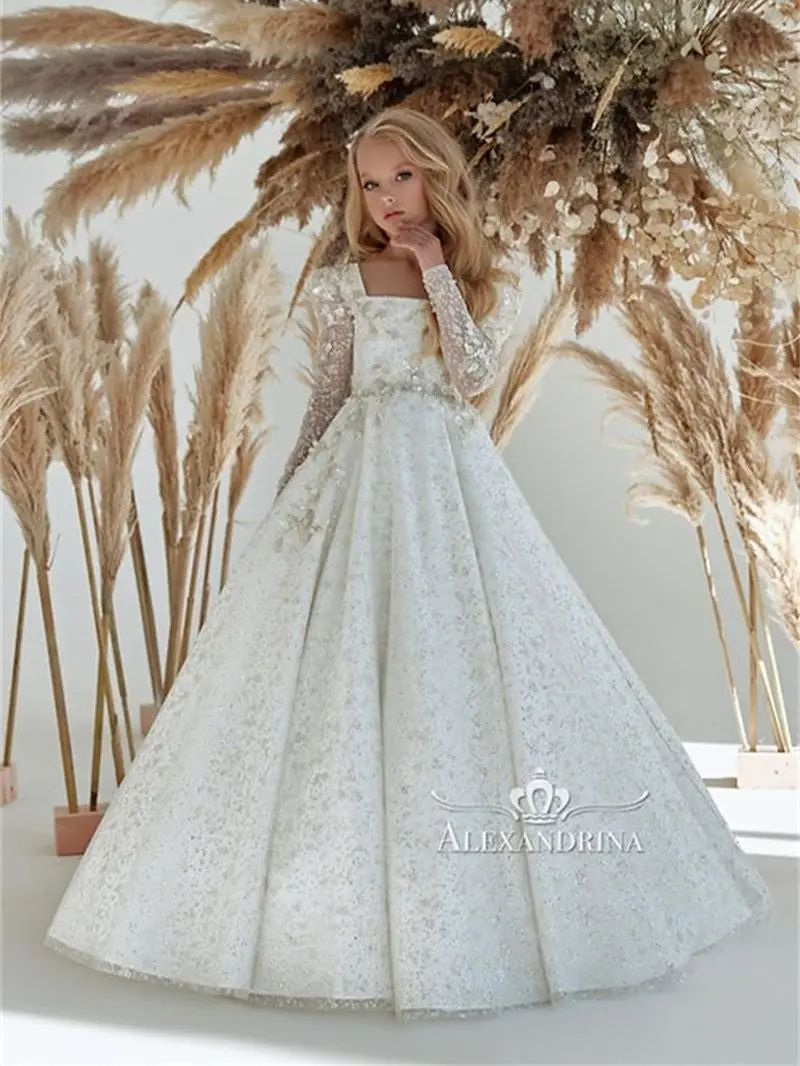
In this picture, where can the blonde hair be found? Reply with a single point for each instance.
(453, 202)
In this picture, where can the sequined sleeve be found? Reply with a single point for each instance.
(332, 363)
(471, 353)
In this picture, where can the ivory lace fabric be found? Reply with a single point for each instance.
(471, 354)
(361, 788)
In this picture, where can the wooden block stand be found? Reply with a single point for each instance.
(768, 768)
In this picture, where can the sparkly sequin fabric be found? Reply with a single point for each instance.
(405, 766)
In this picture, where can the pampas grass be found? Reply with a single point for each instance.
(222, 252)
(773, 522)
(470, 40)
(631, 99)
(246, 454)
(596, 262)
(790, 381)
(100, 375)
(537, 24)
(528, 365)
(752, 478)
(757, 357)
(58, 27)
(83, 331)
(79, 130)
(752, 42)
(70, 334)
(295, 33)
(112, 299)
(89, 77)
(682, 399)
(734, 453)
(24, 460)
(179, 84)
(364, 81)
(111, 294)
(237, 337)
(175, 152)
(24, 300)
(126, 390)
(163, 421)
(664, 476)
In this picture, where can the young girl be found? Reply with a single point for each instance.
(405, 765)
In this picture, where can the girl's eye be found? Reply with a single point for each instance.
(400, 173)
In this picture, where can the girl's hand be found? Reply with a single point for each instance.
(424, 244)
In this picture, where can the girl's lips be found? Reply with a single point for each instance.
(392, 214)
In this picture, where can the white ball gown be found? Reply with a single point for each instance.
(324, 813)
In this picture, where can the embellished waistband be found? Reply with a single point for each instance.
(300, 518)
(387, 388)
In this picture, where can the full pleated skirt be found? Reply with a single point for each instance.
(405, 765)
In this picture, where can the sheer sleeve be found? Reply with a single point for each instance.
(471, 353)
(332, 362)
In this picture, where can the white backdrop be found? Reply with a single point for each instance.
(645, 581)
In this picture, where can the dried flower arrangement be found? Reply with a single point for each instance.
(650, 138)
(715, 442)
(82, 368)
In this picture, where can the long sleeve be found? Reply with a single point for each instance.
(332, 365)
(471, 353)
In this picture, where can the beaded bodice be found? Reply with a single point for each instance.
(387, 342)
(372, 344)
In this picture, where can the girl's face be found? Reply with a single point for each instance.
(393, 189)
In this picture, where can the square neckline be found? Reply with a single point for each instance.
(380, 295)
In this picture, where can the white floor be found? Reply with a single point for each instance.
(738, 1003)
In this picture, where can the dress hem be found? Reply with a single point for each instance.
(674, 975)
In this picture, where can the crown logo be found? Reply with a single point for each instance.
(538, 803)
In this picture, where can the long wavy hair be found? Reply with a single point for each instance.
(453, 203)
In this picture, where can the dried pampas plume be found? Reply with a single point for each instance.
(774, 525)
(759, 352)
(237, 339)
(527, 367)
(364, 81)
(537, 24)
(680, 115)
(26, 301)
(176, 152)
(697, 440)
(789, 381)
(596, 262)
(26, 298)
(470, 40)
(752, 42)
(297, 32)
(53, 27)
(127, 384)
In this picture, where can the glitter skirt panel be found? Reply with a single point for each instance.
(324, 814)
